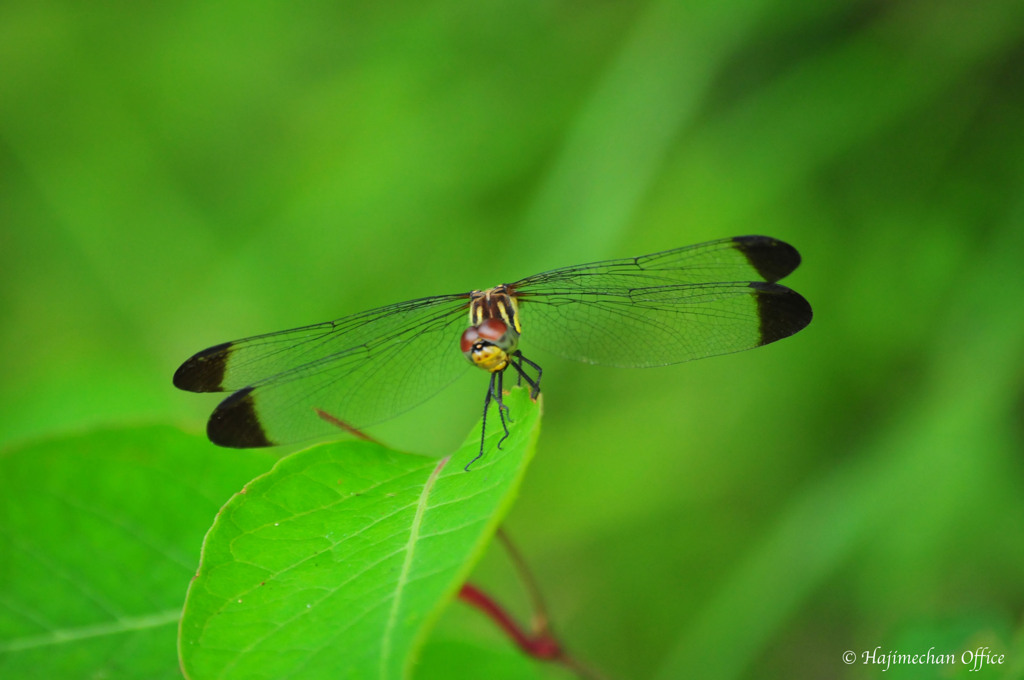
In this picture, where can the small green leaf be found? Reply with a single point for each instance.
(336, 563)
(99, 535)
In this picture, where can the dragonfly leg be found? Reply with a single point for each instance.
(534, 384)
(483, 423)
(502, 408)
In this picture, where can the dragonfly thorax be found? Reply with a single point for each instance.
(489, 344)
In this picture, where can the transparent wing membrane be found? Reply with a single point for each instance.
(366, 384)
(656, 326)
(361, 369)
(743, 258)
(665, 308)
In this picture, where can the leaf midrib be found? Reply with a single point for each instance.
(403, 576)
(59, 636)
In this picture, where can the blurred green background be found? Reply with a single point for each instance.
(178, 175)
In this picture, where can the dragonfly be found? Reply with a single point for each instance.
(653, 310)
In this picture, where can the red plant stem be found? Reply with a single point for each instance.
(540, 613)
(341, 424)
(541, 645)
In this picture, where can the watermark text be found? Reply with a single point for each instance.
(973, 659)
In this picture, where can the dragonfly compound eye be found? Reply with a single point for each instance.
(489, 344)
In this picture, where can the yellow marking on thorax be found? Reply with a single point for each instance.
(492, 302)
(510, 317)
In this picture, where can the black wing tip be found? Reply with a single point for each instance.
(234, 423)
(203, 371)
(783, 312)
(773, 259)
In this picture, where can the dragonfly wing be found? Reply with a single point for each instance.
(741, 258)
(361, 370)
(233, 365)
(678, 305)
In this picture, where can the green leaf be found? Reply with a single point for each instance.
(336, 563)
(99, 534)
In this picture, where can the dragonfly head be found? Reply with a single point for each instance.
(489, 344)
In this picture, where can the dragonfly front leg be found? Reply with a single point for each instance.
(497, 396)
(502, 408)
(483, 423)
(493, 392)
(533, 383)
